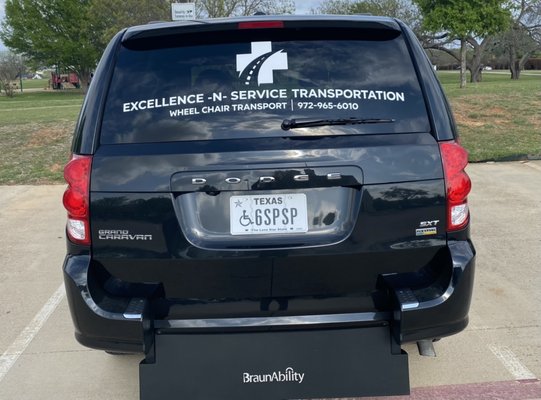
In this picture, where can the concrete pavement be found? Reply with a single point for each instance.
(499, 351)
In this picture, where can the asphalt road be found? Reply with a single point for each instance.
(497, 356)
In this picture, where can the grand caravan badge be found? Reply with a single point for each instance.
(260, 64)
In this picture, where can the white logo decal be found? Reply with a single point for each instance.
(289, 375)
(260, 63)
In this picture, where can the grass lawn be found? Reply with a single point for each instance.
(40, 107)
(35, 83)
(31, 84)
(498, 118)
(35, 136)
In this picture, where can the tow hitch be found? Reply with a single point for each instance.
(272, 365)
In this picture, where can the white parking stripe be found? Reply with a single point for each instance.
(511, 362)
(20, 344)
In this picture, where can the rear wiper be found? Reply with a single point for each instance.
(288, 124)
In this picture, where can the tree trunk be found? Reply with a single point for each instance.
(476, 65)
(85, 82)
(515, 70)
(463, 49)
(513, 63)
(520, 64)
(476, 73)
(84, 79)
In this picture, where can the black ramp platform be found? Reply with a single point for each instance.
(275, 365)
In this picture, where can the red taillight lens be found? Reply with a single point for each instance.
(76, 198)
(261, 25)
(458, 184)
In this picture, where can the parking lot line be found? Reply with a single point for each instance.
(506, 390)
(511, 362)
(19, 345)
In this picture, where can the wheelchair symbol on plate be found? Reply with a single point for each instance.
(245, 219)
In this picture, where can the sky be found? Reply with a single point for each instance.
(302, 7)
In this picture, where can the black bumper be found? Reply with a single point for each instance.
(96, 327)
(448, 313)
(126, 325)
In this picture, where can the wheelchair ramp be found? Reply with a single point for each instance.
(274, 365)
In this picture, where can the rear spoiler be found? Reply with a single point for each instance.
(168, 29)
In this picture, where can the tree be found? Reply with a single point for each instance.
(466, 21)
(523, 38)
(274, 7)
(478, 49)
(401, 9)
(111, 16)
(11, 66)
(518, 46)
(334, 7)
(53, 32)
(217, 8)
(73, 33)
(227, 8)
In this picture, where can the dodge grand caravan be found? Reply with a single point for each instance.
(266, 173)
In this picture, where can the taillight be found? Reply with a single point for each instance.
(260, 24)
(77, 198)
(458, 184)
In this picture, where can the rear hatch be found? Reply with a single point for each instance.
(266, 169)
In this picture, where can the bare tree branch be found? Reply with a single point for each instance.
(11, 65)
(444, 49)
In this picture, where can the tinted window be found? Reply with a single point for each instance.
(238, 90)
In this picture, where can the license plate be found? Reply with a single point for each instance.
(268, 214)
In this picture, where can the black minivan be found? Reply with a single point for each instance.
(267, 172)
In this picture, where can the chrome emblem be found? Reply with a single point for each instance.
(267, 179)
(297, 178)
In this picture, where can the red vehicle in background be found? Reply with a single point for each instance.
(59, 81)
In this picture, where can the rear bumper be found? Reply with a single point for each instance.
(124, 324)
(96, 327)
(448, 313)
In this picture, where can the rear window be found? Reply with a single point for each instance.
(245, 89)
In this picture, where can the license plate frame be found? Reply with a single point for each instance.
(268, 214)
